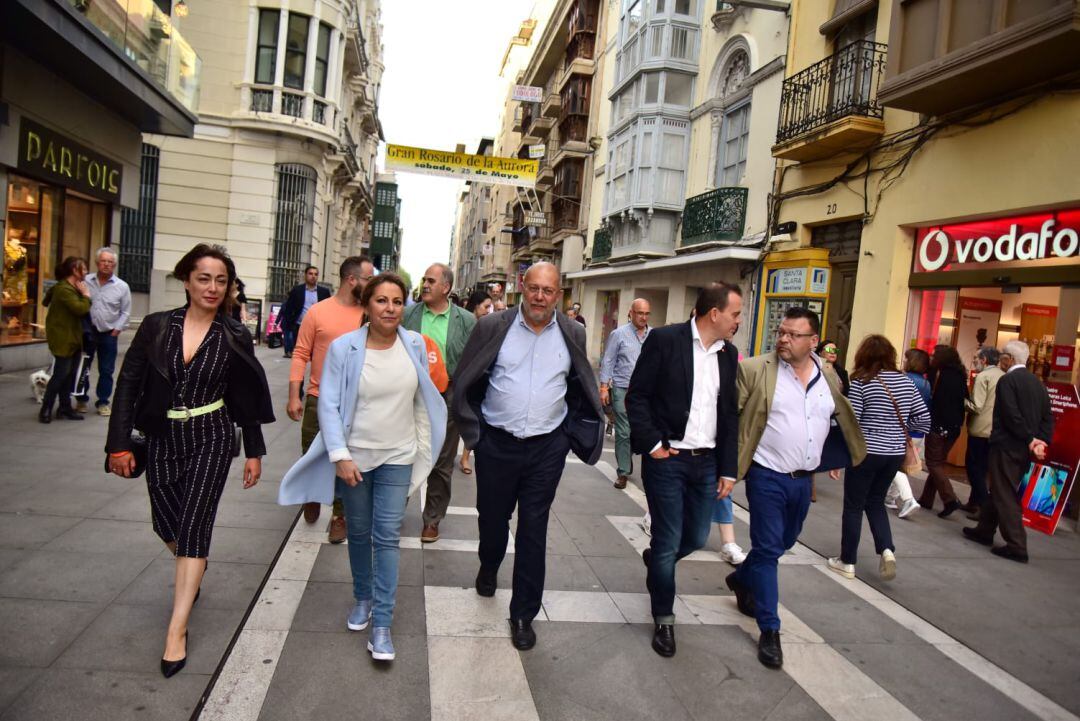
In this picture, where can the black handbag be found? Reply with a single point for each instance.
(138, 449)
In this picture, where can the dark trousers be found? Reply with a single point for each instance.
(61, 382)
(865, 487)
(102, 346)
(937, 450)
(681, 491)
(977, 460)
(438, 482)
(522, 473)
(288, 336)
(778, 507)
(1001, 511)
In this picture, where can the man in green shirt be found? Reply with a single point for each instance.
(449, 326)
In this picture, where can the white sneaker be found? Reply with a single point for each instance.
(847, 570)
(910, 506)
(890, 503)
(887, 566)
(731, 553)
(646, 524)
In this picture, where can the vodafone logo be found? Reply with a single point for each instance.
(938, 248)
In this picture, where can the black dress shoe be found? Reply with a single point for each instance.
(1006, 552)
(521, 634)
(768, 649)
(486, 582)
(69, 414)
(171, 668)
(45, 415)
(663, 639)
(743, 597)
(972, 535)
(949, 508)
(646, 557)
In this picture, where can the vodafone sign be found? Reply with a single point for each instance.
(1038, 239)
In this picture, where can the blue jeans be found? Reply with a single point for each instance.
(682, 492)
(722, 511)
(778, 507)
(101, 345)
(374, 509)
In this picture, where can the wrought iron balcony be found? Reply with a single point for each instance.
(716, 216)
(601, 245)
(842, 85)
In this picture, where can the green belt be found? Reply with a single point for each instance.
(186, 414)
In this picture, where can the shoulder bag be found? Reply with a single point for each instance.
(912, 462)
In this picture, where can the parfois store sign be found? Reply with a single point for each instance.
(1038, 239)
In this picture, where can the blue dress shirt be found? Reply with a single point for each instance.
(526, 393)
(621, 354)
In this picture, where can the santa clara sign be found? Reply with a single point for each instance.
(1040, 239)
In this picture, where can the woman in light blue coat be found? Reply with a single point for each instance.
(379, 417)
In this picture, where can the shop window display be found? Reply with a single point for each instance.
(22, 254)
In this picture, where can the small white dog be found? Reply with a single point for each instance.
(38, 380)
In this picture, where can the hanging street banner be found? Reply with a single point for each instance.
(528, 93)
(463, 166)
(537, 151)
(535, 217)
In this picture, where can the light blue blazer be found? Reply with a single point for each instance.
(312, 477)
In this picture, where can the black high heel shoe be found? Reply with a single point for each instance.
(171, 668)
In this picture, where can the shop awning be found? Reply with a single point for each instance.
(53, 34)
(844, 12)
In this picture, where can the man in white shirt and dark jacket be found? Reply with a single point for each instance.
(684, 421)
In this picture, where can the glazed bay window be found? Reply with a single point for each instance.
(266, 48)
(293, 56)
(672, 169)
(296, 50)
(322, 59)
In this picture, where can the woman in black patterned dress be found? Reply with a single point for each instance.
(189, 376)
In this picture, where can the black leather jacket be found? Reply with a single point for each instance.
(143, 390)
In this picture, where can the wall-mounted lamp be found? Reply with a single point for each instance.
(181, 9)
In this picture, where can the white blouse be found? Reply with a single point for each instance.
(388, 399)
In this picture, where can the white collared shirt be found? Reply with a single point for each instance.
(701, 424)
(798, 422)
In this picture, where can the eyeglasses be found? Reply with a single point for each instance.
(537, 290)
(793, 336)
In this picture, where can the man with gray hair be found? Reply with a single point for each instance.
(1022, 427)
(980, 408)
(110, 310)
(449, 326)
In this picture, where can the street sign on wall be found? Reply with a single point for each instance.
(463, 166)
(528, 93)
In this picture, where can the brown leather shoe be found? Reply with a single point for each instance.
(430, 534)
(620, 482)
(311, 511)
(337, 529)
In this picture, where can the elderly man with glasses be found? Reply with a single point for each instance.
(526, 395)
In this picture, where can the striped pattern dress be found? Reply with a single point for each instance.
(188, 465)
(877, 416)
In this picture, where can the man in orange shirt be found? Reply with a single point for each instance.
(324, 322)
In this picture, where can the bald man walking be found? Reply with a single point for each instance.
(526, 396)
(620, 356)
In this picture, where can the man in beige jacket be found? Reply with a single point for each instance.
(980, 408)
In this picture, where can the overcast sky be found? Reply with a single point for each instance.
(440, 88)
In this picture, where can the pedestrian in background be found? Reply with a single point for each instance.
(620, 356)
(1022, 427)
(948, 393)
(829, 351)
(577, 313)
(887, 406)
(526, 394)
(300, 299)
(980, 408)
(449, 325)
(69, 303)
(479, 304)
(684, 421)
(110, 310)
(780, 447)
(900, 497)
(188, 377)
(380, 417)
(324, 323)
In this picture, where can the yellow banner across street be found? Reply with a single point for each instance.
(477, 168)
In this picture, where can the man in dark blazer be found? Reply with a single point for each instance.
(1023, 426)
(684, 421)
(297, 303)
(525, 395)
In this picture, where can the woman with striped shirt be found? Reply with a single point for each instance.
(881, 396)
